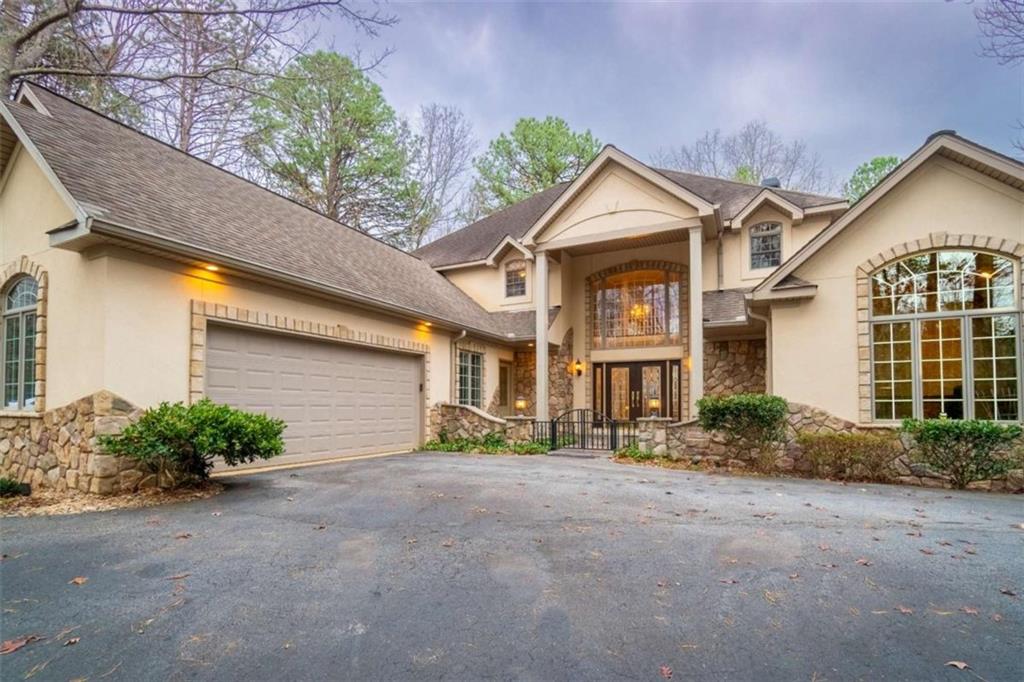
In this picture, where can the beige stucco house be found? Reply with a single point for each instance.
(131, 268)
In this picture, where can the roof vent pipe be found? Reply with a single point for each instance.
(771, 182)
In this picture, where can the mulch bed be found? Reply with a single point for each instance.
(51, 503)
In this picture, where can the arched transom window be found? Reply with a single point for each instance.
(637, 308)
(945, 337)
(19, 343)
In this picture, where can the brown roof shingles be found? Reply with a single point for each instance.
(476, 241)
(126, 178)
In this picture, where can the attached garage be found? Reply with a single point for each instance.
(336, 399)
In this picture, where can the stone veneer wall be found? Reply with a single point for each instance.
(688, 440)
(732, 367)
(463, 421)
(57, 449)
(560, 392)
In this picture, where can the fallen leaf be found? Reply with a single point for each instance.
(996, 617)
(823, 547)
(864, 562)
(880, 611)
(1008, 592)
(970, 550)
(12, 645)
(665, 672)
(959, 665)
(904, 610)
(448, 543)
(727, 581)
(771, 597)
(79, 580)
(410, 541)
(320, 526)
(73, 641)
(214, 513)
(290, 499)
(969, 610)
(662, 583)
(183, 536)
(180, 576)
(945, 543)
(925, 550)
(794, 576)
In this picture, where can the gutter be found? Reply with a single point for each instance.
(104, 227)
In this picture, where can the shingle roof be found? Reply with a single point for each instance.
(521, 324)
(126, 178)
(476, 241)
(725, 305)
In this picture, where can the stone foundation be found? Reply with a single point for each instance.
(732, 367)
(688, 441)
(57, 448)
(560, 392)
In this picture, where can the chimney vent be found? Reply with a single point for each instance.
(771, 182)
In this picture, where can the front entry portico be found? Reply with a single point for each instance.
(627, 391)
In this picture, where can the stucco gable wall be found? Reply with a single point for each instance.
(616, 199)
(29, 207)
(815, 345)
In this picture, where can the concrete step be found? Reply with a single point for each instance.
(580, 453)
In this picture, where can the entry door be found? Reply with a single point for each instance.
(635, 389)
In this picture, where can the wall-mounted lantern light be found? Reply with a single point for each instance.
(520, 405)
(578, 367)
(654, 405)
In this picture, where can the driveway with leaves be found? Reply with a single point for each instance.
(459, 567)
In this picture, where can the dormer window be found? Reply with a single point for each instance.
(765, 245)
(515, 278)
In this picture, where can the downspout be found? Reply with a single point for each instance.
(767, 319)
(453, 368)
(719, 258)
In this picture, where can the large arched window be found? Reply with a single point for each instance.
(945, 337)
(19, 343)
(637, 308)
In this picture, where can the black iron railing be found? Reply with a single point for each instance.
(585, 429)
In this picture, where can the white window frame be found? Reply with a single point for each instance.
(760, 231)
(21, 314)
(515, 266)
(470, 379)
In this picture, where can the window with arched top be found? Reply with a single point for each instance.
(945, 337)
(18, 339)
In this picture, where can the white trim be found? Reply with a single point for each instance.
(508, 241)
(932, 147)
(459, 266)
(8, 169)
(608, 155)
(796, 213)
(26, 93)
(37, 156)
(624, 233)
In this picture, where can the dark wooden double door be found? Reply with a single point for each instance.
(631, 390)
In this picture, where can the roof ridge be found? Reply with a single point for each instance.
(746, 184)
(31, 83)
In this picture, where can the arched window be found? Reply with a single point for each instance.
(19, 343)
(765, 245)
(637, 308)
(945, 337)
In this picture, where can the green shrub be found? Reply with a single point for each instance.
(966, 450)
(493, 443)
(635, 453)
(10, 488)
(752, 422)
(848, 456)
(181, 442)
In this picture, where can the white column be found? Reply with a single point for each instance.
(540, 299)
(696, 320)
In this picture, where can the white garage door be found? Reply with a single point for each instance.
(336, 400)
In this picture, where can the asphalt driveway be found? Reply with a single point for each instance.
(458, 567)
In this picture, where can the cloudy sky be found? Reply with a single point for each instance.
(853, 80)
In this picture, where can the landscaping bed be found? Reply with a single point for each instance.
(49, 502)
(491, 444)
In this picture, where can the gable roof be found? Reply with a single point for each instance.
(477, 240)
(138, 188)
(945, 143)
